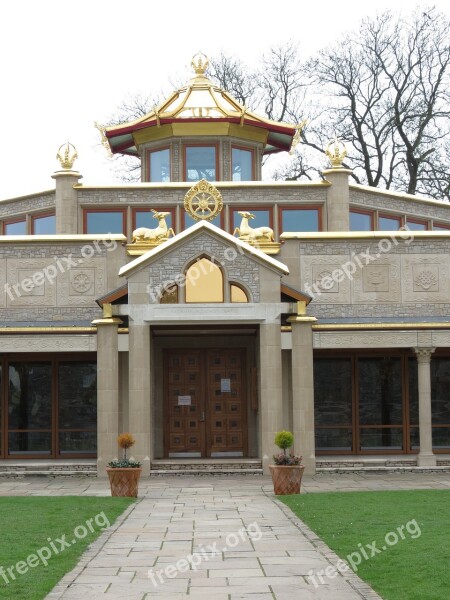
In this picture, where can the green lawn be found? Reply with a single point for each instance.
(416, 567)
(39, 529)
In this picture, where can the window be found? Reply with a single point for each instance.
(104, 221)
(416, 225)
(143, 217)
(241, 164)
(440, 402)
(263, 217)
(305, 218)
(15, 227)
(204, 282)
(237, 294)
(440, 227)
(200, 163)
(159, 165)
(389, 223)
(361, 221)
(43, 224)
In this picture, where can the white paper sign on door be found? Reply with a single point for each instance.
(184, 400)
(225, 385)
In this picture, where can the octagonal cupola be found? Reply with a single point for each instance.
(200, 132)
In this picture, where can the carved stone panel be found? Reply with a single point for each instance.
(377, 282)
(325, 278)
(30, 282)
(81, 285)
(425, 278)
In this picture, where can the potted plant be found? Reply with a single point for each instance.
(124, 474)
(287, 471)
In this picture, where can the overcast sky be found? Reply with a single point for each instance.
(65, 65)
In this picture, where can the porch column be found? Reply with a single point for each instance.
(107, 388)
(303, 387)
(271, 397)
(426, 458)
(139, 401)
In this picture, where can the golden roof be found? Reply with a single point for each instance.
(199, 101)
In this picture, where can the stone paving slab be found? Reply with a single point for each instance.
(247, 544)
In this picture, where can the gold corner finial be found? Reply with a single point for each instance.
(336, 152)
(200, 63)
(67, 154)
(104, 140)
(297, 137)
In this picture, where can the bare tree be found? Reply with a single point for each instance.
(384, 90)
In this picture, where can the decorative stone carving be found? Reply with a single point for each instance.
(425, 278)
(364, 339)
(81, 281)
(32, 286)
(321, 278)
(377, 282)
(80, 286)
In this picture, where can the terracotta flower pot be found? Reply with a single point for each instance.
(124, 481)
(286, 479)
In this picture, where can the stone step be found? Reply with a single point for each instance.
(203, 472)
(37, 468)
(213, 466)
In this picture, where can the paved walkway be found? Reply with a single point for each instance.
(211, 537)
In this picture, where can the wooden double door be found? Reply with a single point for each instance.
(205, 403)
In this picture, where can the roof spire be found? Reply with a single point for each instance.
(200, 63)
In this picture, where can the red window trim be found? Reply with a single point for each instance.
(398, 218)
(137, 209)
(15, 220)
(283, 207)
(370, 213)
(251, 208)
(40, 216)
(86, 211)
(418, 222)
(199, 145)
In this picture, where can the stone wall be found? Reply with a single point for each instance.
(27, 204)
(372, 278)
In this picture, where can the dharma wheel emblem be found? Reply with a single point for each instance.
(203, 201)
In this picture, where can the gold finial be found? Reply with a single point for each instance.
(67, 156)
(297, 137)
(104, 142)
(336, 151)
(200, 63)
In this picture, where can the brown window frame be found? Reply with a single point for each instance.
(22, 219)
(247, 208)
(214, 145)
(40, 216)
(86, 211)
(54, 359)
(418, 222)
(136, 209)
(370, 213)
(442, 225)
(398, 218)
(282, 207)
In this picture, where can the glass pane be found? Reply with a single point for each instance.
(71, 442)
(19, 228)
(104, 222)
(413, 392)
(189, 221)
(441, 437)
(388, 223)
(238, 294)
(380, 391)
(416, 226)
(338, 439)
(360, 222)
(44, 225)
(144, 218)
(77, 395)
(241, 164)
(30, 442)
(414, 442)
(440, 390)
(300, 220)
(262, 219)
(200, 163)
(379, 438)
(30, 396)
(160, 165)
(333, 391)
(204, 282)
